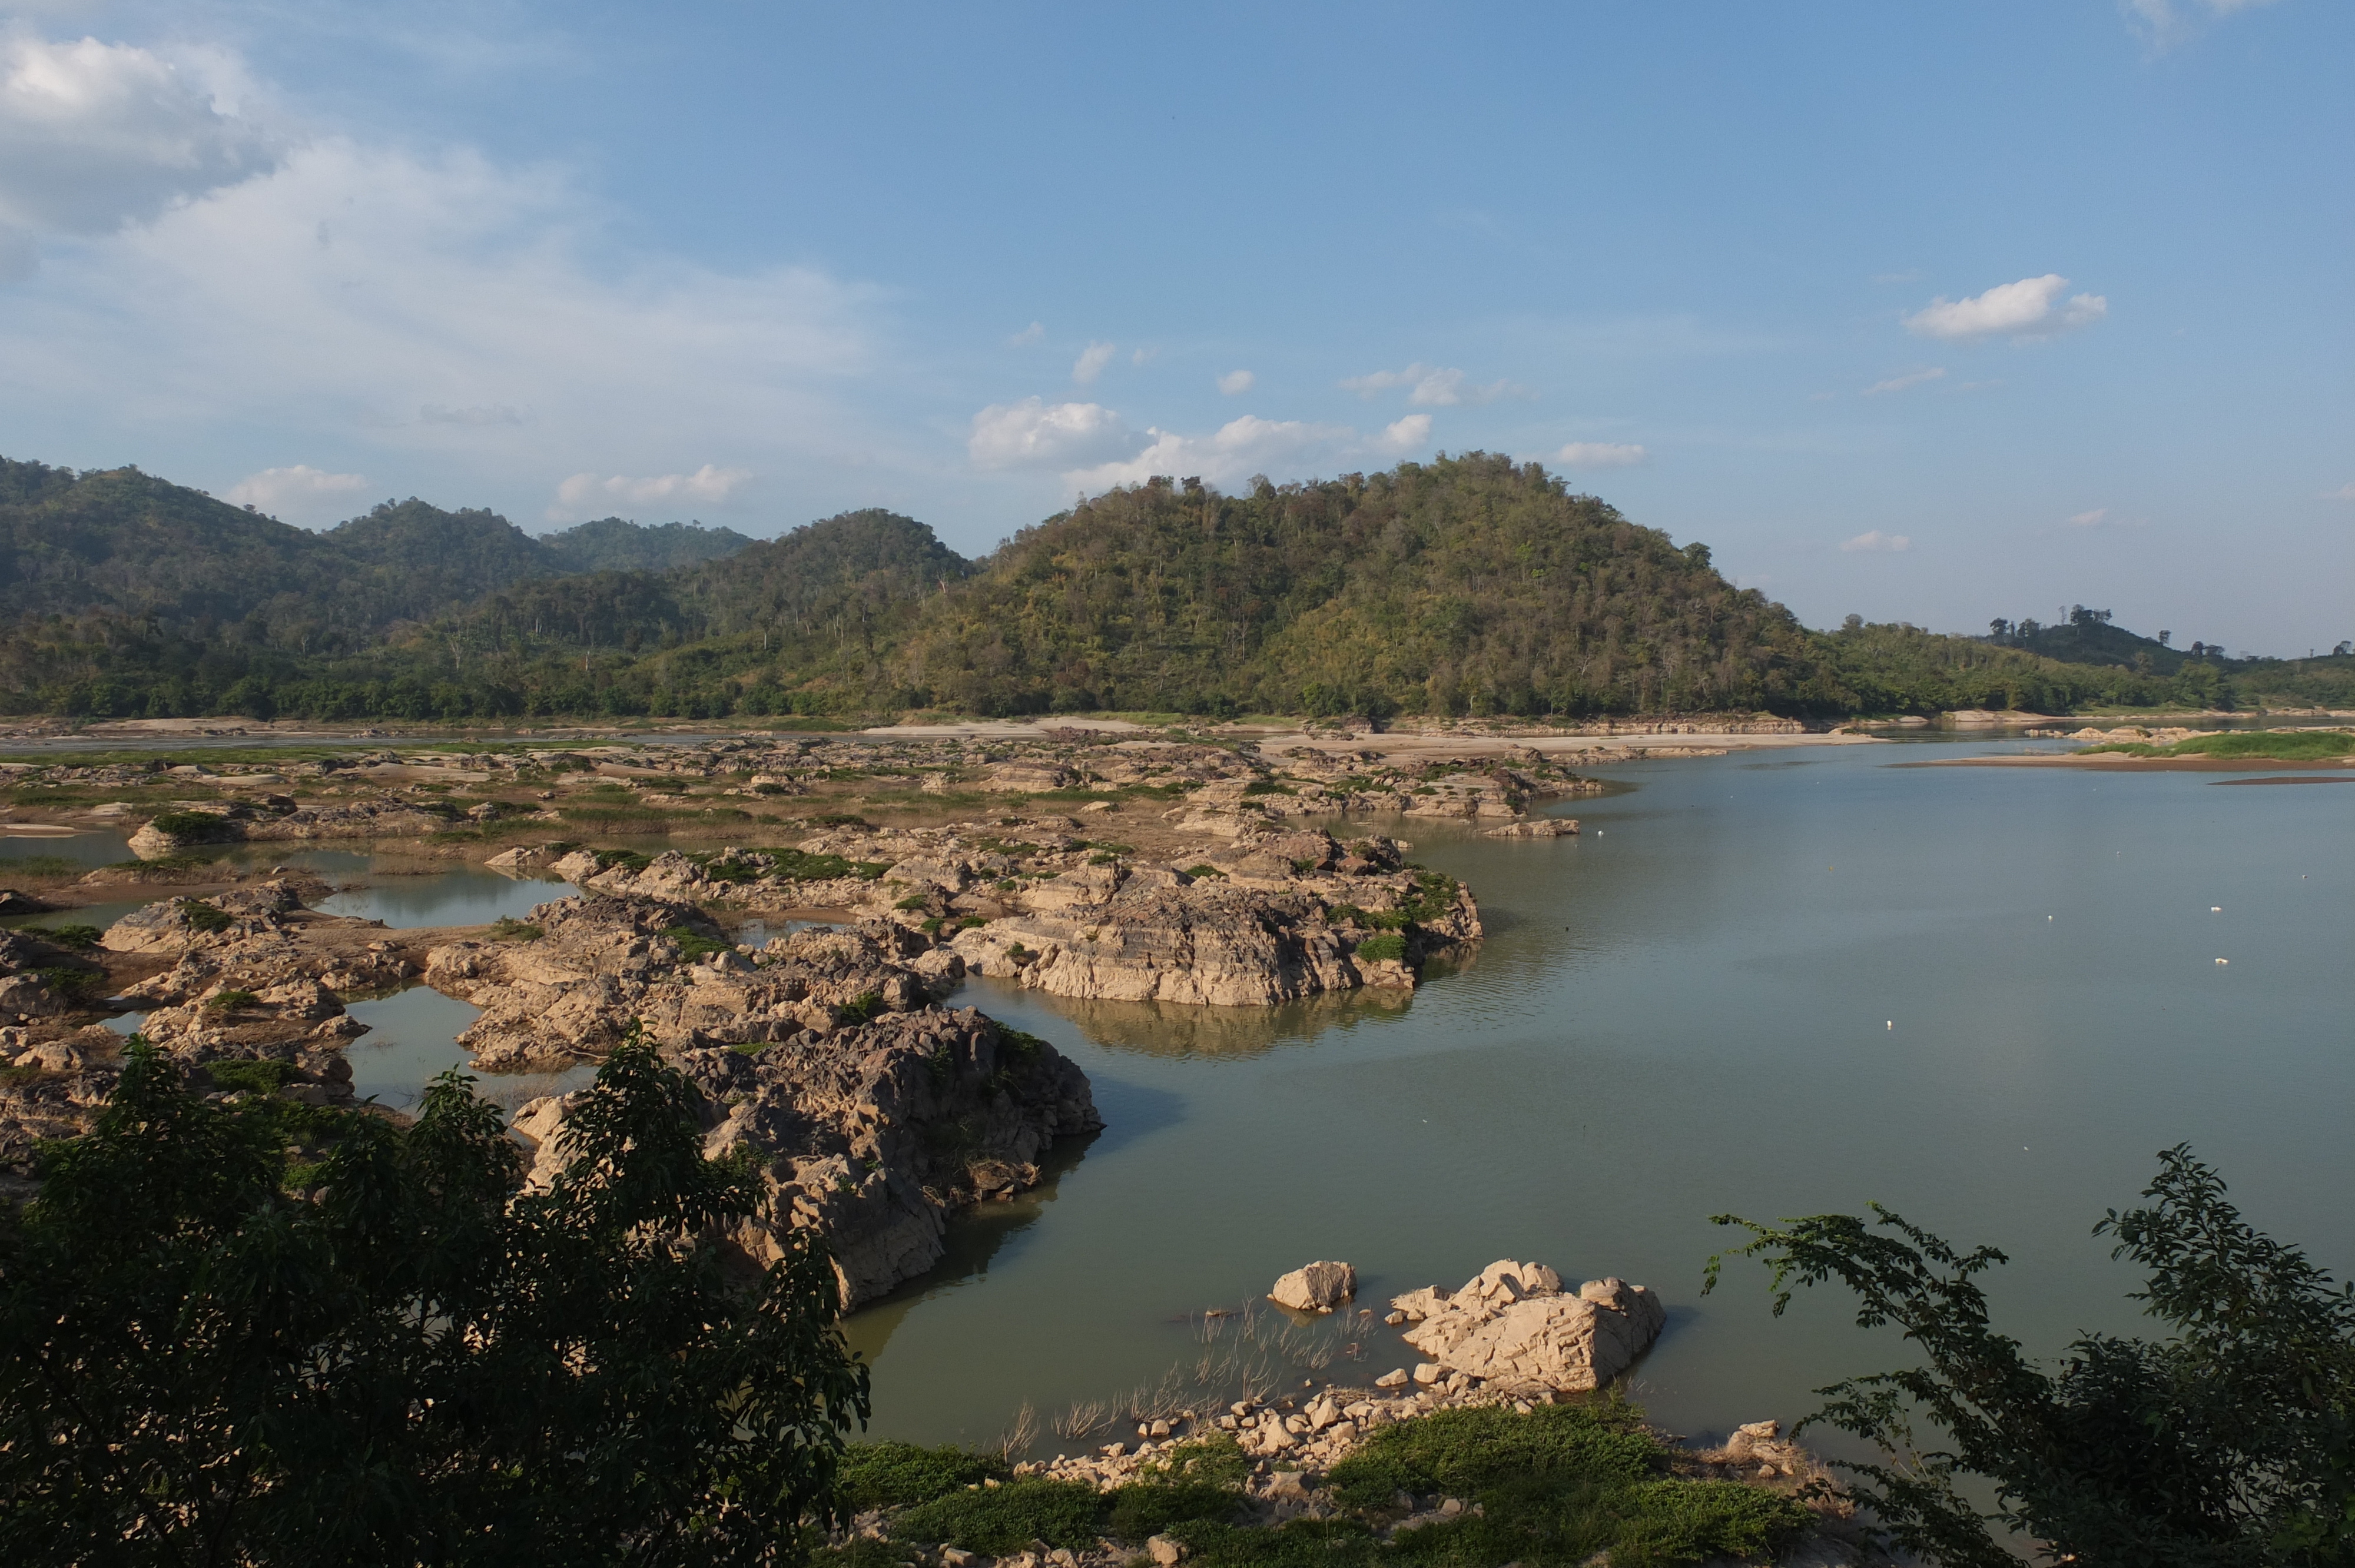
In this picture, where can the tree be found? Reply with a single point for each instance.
(2230, 1442)
(420, 1361)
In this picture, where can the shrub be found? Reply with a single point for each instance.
(692, 944)
(506, 929)
(72, 983)
(79, 936)
(256, 1075)
(862, 1007)
(203, 916)
(200, 827)
(995, 1520)
(900, 1474)
(230, 1000)
(1384, 948)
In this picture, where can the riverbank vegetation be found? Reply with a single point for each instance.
(2277, 746)
(1469, 586)
(2231, 1441)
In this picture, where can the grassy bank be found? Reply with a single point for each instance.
(2275, 746)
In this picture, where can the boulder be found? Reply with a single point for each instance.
(1319, 1287)
(1514, 1324)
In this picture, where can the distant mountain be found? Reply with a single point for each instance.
(612, 544)
(121, 543)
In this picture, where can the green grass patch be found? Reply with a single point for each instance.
(198, 827)
(230, 1000)
(256, 1075)
(995, 1520)
(1382, 949)
(203, 916)
(860, 1009)
(507, 928)
(40, 865)
(901, 1475)
(1199, 872)
(2285, 745)
(82, 938)
(693, 944)
(72, 983)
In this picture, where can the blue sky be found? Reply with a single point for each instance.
(1930, 313)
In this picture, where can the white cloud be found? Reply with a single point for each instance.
(349, 291)
(1874, 540)
(1092, 362)
(1433, 387)
(1237, 450)
(1899, 383)
(2028, 308)
(1037, 434)
(2344, 493)
(1404, 435)
(1235, 383)
(94, 135)
(1028, 335)
(2089, 519)
(1601, 454)
(312, 494)
(584, 494)
(2162, 24)
(1143, 356)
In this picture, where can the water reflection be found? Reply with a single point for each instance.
(1170, 1028)
(413, 1038)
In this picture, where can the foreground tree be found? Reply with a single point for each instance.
(2230, 1442)
(420, 1362)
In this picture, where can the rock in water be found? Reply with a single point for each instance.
(1319, 1287)
(1514, 1325)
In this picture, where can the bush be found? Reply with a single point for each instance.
(995, 1520)
(1382, 949)
(899, 1475)
(230, 1000)
(72, 984)
(254, 1076)
(78, 937)
(506, 929)
(198, 827)
(203, 916)
(693, 944)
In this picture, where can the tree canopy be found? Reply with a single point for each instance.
(401, 1355)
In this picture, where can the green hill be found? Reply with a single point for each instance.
(1469, 585)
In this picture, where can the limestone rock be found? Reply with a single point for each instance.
(1319, 1287)
(1514, 1324)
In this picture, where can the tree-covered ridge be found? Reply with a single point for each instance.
(1467, 584)
(162, 558)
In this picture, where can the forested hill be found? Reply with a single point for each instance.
(1463, 585)
(1469, 585)
(118, 543)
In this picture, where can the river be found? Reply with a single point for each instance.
(1773, 983)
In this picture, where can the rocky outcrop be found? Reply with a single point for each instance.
(1319, 1287)
(872, 1132)
(1514, 1326)
(1536, 828)
(602, 964)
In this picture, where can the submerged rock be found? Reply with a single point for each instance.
(1319, 1287)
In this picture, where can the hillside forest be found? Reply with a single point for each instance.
(1467, 586)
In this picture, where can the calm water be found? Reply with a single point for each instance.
(1775, 984)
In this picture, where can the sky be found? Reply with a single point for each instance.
(1933, 312)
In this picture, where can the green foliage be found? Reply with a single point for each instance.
(203, 916)
(1434, 896)
(861, 1009)
(40, 865)
(2230, 1442)
(71, 983)
(201, 827)
(693, 944)
(422, 1362)
(898, 1475)
(230, 1000)
(254, 1076)
(507, 928)
(997, 1521)
(1384, 948)
(1464, 1453)
(79, 936)
(2280, 745)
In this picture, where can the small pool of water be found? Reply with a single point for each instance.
(413, 1039)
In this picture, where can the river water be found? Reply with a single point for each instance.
(1773, 983)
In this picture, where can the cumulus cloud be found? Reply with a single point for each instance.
(1235, 450)
(1034, 433)
(584, 494)
(1404, 435)
(1899, 383)
(1235, 383)
(1028, 335)
(311, 495)
(1601, 454)
(1874, 541)
(1432, 386)
(1092, 362)
(2162, 24)
(2089, 519)
(94, 135)
(2030, 308)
